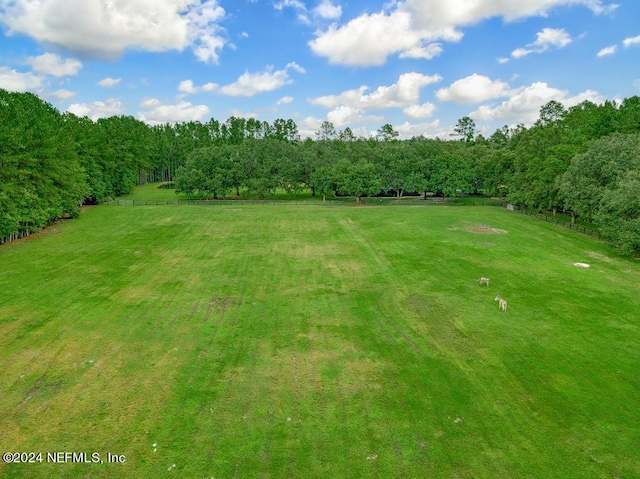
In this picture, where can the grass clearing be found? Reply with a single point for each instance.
(307, 341)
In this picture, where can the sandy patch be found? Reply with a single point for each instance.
(220, 304)
(479, 229)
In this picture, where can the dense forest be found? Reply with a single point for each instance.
(584, 160)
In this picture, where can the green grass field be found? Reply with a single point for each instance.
(240, 341)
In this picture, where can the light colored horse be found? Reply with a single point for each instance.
(482, 281)
(501, 303)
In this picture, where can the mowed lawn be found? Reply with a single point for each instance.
(240, 341)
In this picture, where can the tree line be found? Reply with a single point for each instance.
(584, 160)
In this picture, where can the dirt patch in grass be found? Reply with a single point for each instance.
(220, 304)
(45, 386)
(479, 229)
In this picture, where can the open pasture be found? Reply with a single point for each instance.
(235, 341)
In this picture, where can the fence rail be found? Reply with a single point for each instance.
(550, 219)
(219, 202)
(364, 202)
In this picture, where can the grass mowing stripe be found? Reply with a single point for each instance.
(258, 341)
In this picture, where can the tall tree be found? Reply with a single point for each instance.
(552, 113)
(324, 181)
(601, 168)
(386, 133)
(465, 129)
(346, 135)
(618, 217)
(208, 172)
(327, 132)
(357, 179)
(40, 175)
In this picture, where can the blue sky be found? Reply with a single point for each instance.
(419, 65)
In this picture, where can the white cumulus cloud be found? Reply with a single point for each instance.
(429, 130)
(545, 39)
(524, 103)
(13, 80)
(607, 51)
(552, 37)
(408, 27)
(54, 65)
(426, 52)
(351, 106)
(149, 103)
(347, 97)
(98, 109)
(627, 42)
(473, 89)
(106, 29)
(344, 115)
(297, 5)
(205, 36)
(469, 12)
(406, 91)
(63, 94)
(369, 39)
(403, 93)
(187, 87)
(109, 82)
(308, 126)
(241, 114)
(250, 84)
(158, 113)
(520, 52)
(284, 100)
(420, 111)
(328, 10)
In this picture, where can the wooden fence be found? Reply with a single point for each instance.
(349, 202)
(550, 219)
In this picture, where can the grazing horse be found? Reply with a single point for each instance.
(482, 281)
(501, 303)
